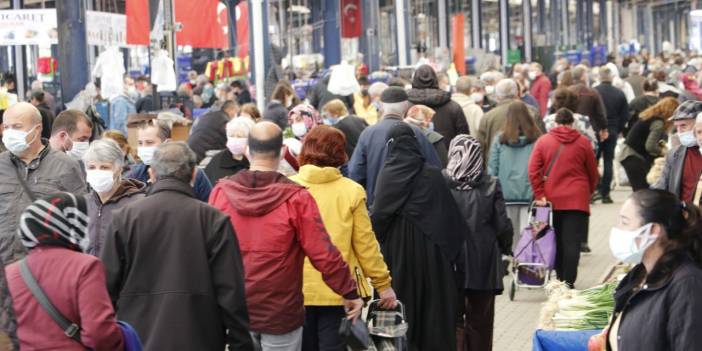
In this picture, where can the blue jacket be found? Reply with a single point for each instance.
(369, 155)
(510, 163)
(120, 108)
(202, 187)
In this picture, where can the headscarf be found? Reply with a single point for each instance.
(56, 220)
(408, 187)
(465, 164)
(403, 163)
(308, 113)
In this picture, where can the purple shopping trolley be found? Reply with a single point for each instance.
(535, 254)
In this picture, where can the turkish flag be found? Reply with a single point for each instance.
(137, 12)
(201, 28)
(351, 19)
(242, 28)
(459, 52)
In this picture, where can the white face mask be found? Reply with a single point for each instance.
(477, 97)
(101, 181)
(78, 150)
(532, 75)
(623, 243)
(490, 89)
(687, 139)
(299, 129)
(146, 153)
(16, 140)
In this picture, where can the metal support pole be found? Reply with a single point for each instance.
(369, 39)
(73, 48)
(20, 63)
(603, 22)
(526, 12)
(504, 31)
(565, 24)
(443, 24)
(317, 18)
(259, 23)
(332, 34)
(476, 24)
(402, 38)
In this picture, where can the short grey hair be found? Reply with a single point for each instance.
(506, 89)
(580, 73)
(164, 128)
(239, 124)
(376, 89)
(104, 150)
(635, 67)
(174, 160)
(465, 83)
(606, 74)
(395, 108)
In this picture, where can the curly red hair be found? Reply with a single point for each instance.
(324, 146)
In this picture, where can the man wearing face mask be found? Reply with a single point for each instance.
(30, 168)
(123, 105)
(540, 86)
(71, 133)
(208, 130)
(150, 135)
(683, 166)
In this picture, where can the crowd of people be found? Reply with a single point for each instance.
(265, 229)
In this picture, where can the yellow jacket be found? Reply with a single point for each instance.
(342, 204)
(370, 113)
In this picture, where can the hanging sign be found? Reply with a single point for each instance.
(28, 27)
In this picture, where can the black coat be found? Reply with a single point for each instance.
(277, 113)
(209, 133)
(449, 119)
(174, 272)
(47, 120)
(351, 126)
(637, 106)
(666, 314)
(616, 106)
(319, 95)
(489, 233)
(223, 165)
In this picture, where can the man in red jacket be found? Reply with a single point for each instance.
(278, 223)
(540, 86)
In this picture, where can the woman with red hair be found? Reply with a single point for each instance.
(342, 204)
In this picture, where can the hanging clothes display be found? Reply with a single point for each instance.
(226, 69)
(163, 72)
(110, 69)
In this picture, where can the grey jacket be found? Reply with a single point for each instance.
(671, 179)
(52, 171)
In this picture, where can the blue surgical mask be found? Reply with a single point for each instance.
(431, 127)
(687, 139)
(16, 140)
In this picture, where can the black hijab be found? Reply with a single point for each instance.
(409, 188)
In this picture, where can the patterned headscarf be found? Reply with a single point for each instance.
(56, 220)
(465, 164)
(308, 113)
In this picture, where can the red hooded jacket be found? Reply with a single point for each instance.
(574, 175)
(278, 223)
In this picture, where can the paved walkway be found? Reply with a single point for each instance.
(515, 321)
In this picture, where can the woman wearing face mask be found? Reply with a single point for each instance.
(658, 305)
(233, 159)
(103, 164)
(302, 118)
(281, 102)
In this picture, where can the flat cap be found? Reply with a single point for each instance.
(393, 94)
(687, 110)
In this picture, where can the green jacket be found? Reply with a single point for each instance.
(509, 163)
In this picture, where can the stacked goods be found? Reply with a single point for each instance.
(569, 309)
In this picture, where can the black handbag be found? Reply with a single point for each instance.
(355, 334)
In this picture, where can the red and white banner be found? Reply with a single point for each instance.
(137, 12)
(351, 19)
(242, 28)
